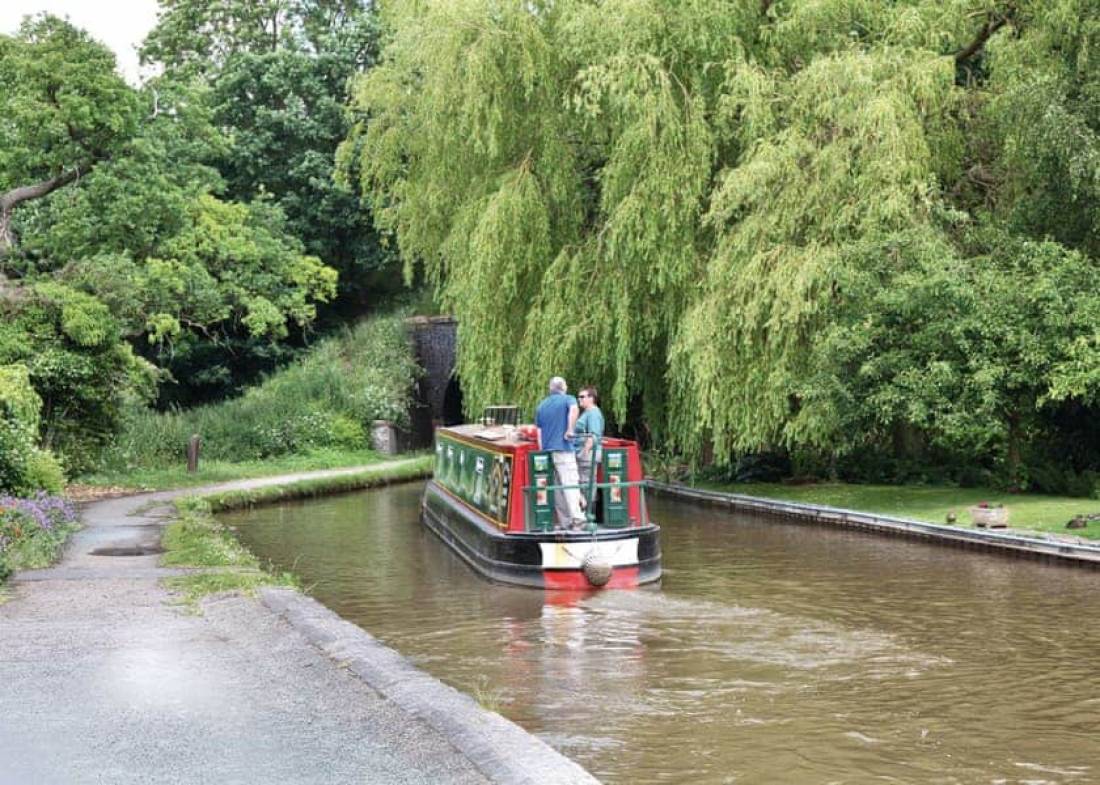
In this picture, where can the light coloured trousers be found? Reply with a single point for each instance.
(567, 504)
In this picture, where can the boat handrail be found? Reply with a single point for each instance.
(589, 487)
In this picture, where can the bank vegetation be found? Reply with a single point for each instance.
(861, 235)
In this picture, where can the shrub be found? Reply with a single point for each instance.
(1062, 481)
(326, 399)
(44, 472)
(24, 468)
(32, 529)
(82, 370)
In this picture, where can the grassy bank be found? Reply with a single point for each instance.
(196, 539)
(1027, 511)
(315, 413)
(369, 477)
(214, 471)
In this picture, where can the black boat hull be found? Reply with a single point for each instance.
(543, 560)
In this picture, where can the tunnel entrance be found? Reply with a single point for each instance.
(452, 403)
(437, 399)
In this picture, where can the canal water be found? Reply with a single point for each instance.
(771, 653)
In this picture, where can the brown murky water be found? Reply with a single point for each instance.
(771, 653)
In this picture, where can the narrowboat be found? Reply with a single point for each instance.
(492, 501)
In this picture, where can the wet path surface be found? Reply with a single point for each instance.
(778, 653)
(104, 678)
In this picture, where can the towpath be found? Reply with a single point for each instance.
(104, 678)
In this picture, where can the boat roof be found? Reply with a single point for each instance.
(508, 436)
(496, 434)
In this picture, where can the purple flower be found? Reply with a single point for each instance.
(43, 511)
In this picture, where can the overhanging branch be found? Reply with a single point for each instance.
(994, 22)
(25, 193)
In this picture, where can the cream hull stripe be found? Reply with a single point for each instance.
(569, 555)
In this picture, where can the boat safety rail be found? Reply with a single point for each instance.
(539, 506)
(500, 415)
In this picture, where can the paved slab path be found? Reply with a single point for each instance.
(104, 678)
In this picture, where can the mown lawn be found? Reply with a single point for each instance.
(1027, 511)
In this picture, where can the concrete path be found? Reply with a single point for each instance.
(104, 679)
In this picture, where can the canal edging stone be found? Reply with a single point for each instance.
(500, 749)
(106, 678)
(1062, 551)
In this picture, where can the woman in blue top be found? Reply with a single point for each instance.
(587, 433)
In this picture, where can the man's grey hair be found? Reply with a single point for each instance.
(557, 384)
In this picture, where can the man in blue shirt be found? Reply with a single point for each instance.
(555, 418)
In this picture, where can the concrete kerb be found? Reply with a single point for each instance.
(499, 748)
(1061, 551)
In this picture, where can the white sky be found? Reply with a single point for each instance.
(120, 24)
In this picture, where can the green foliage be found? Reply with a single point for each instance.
(129, 205)
(44, 472)
(846, 166)
(19, 408)
(276, 74)
(326, 399)
(185, 274)
(81, 371)
(138, 248)
(64, 105)
(758, 224)
(24, 467)
(1043, 119)
(980, 364)
(19, 402)
(228, 265)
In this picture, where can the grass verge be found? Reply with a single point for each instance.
(198, 540)
(154, 479)
(369, 477)
(1027, 511)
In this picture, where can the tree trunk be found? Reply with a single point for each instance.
(1013, 456)
(24, 193)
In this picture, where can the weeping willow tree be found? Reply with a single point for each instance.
(547, 164)
(680, 200)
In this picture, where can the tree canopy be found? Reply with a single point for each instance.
(128, 246)
(703, 205)
(276, 74)
(64, 110)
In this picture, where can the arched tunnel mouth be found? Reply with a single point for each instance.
(451, 413)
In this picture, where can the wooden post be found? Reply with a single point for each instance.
(193, 453)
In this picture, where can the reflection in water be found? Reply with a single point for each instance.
(773, 652)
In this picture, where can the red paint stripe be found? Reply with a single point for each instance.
(574, 580)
